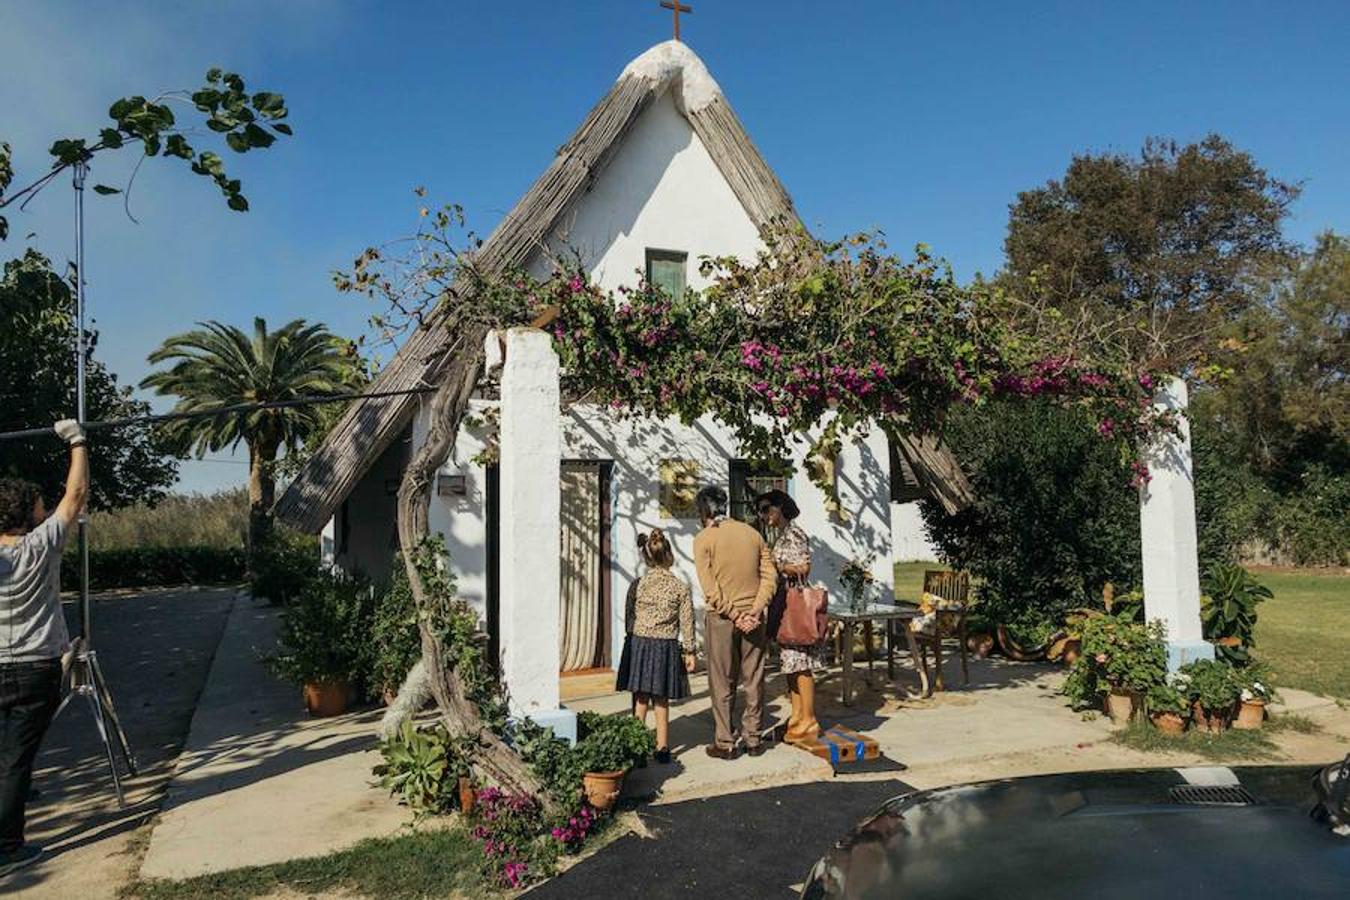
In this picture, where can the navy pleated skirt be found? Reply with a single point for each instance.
(653, 666)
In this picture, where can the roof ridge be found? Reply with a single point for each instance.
(673, 61)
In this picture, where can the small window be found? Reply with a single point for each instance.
(665, 270)
(748, 481)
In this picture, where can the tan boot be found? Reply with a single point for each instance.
(786, 729)
(795, 731)
(808, 729)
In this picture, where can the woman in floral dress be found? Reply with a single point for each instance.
(792, 555)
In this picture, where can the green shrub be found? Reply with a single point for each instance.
(1117, 655)
(553, 760)
(1054, 518)
(1210, 683)
(284, 565)
(612, 743)
(1311, 524)
(1165, 697)
(397, 639)
(325, 632)
(154, 567)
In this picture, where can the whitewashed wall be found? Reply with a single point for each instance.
(661, 190)
(637, 447)
(909, 537)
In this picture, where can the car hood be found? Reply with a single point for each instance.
(1244, 832)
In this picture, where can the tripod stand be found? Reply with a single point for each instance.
(86, 676)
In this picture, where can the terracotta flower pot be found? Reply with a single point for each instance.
(326, 698)
(981, 643)
(467, 795)
(1120, 707)
(1251, 715)
(1213, 721)
(1073, 648)
(602, 788)
(1168, 722)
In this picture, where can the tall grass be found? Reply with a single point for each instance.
(179, 520)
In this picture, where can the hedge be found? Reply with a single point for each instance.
(154, 567)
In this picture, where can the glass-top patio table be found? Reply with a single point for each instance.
(899, 615)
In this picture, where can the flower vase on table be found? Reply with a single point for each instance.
(858, 583)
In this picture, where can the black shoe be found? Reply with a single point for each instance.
(757, 750)
(717, 752)
(15, 860)
(663, 756)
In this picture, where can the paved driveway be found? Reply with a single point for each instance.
(155, 648)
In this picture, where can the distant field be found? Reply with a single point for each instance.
(1304, 633)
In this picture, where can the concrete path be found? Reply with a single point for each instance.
(1011, 720)
(155, 648)
(258, 780)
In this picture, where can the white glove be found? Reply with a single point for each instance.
(70, 431)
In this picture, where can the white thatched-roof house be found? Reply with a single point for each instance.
(660, 173)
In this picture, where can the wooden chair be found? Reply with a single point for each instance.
(954, 588)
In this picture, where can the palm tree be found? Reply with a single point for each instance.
(219, 366)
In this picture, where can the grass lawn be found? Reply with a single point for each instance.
(909, 579)
(1303, 633)
(434, 862)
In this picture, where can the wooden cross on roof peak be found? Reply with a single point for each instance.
(676, 7)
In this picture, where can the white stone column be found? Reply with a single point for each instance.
(1168, 536)
(531, 529)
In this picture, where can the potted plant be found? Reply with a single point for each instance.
(1168, 707)
(1254, 692)
(611, 746)
(1126, 658)
(1228, 610)
(323, 641)
(1214, 692)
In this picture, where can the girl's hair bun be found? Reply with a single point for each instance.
(656, 549)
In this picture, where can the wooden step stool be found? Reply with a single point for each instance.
(839, 745)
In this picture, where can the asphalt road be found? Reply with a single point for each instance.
(758, 844)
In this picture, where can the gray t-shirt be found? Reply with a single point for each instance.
(32, 626)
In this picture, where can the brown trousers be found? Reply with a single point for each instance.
(731, 652)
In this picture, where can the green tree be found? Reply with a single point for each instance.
(1054, 519)
(1155, 255)
(1284, 403)
(219, 366)
(37, 384)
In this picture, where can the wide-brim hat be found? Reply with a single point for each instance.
(781, 499)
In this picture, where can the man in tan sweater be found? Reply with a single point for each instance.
(738, 579)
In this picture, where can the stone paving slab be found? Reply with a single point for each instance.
(258, 780)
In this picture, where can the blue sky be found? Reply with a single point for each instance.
(922, 119)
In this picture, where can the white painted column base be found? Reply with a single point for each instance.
(531, 530)
(1168, 537)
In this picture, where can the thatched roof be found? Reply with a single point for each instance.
(367, 429)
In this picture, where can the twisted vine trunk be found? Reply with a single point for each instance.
(459, 714)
